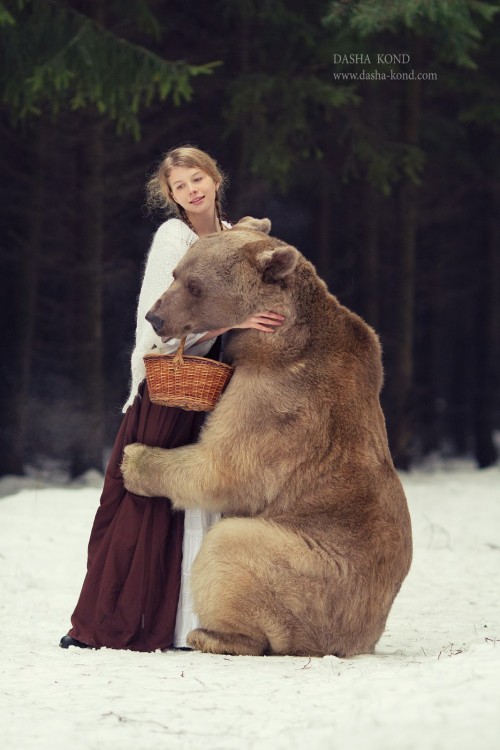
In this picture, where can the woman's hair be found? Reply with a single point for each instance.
(159, 194)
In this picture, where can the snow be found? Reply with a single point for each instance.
(434, 682)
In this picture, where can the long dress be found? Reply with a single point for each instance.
(130, 595)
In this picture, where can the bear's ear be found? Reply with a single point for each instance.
(259, 225)
(278, 263)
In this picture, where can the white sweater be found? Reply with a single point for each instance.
(170, 243)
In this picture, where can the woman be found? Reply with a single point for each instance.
(137, 548)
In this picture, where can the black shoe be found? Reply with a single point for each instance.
(67, 641)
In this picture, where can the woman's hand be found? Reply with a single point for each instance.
(264, 321)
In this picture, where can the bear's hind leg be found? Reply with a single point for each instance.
(246, 591)
(235, 644)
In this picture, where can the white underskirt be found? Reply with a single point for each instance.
(196, 524)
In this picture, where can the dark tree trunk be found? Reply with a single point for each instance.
(402, 375)
(31, 271)
(369, 270)
(239, 190)
(88, 446)
(487, 340)
(20, 300)
(400, 391)
(324, 254)
(461, 379)
(369, 280)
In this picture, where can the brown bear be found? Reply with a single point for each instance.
(315, 538)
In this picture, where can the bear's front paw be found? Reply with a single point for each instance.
(132, 466)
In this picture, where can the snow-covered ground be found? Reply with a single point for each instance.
(434, 682)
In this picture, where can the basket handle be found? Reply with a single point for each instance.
(178, 358)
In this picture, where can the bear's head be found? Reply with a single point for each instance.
(223, 279)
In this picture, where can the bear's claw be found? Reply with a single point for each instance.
(131, 468)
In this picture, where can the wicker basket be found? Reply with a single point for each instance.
(192, 383)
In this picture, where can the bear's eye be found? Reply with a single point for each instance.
(193, 289)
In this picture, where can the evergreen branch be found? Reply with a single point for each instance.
(451, 24)
(57, 57)
(6, 18)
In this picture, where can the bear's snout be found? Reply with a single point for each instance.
(155, 321)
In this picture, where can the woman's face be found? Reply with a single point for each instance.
(193, 189)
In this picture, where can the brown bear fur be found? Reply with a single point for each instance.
(316, 539)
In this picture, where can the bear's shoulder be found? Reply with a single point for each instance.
(359, 333)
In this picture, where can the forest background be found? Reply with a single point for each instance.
(366, 131)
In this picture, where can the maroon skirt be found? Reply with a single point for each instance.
(130, 593)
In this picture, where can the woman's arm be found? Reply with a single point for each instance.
(265, 321)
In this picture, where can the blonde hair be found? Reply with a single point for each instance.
(159, 193)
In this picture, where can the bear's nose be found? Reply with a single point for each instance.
(155, 321)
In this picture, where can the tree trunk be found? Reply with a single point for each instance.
(369, 266)
(324, 257)
(21, 304)
(31, 272)
(400, 392)
(487, 340)
(369, 271)
(239, 191)
(88, 448)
